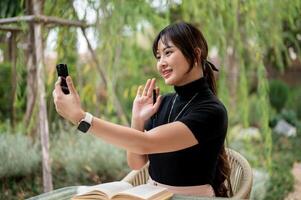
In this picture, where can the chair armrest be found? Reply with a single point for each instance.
(137, 177)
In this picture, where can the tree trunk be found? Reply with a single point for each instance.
(43, 121)
(31, 89)
(101, 71)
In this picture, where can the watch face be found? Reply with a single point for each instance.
(83, 126)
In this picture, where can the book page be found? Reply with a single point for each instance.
(143, 192)
(108, 189)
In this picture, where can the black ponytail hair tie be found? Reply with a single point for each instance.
(209, 64)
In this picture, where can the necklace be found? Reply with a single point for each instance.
(173, 103)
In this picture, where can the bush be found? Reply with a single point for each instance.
(255, 111)
(18, 155)
(279, 92)
(77, 159)
(294, 101)
(5, 90)
(283, 155)
(84, 157)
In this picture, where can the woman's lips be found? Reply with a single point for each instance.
(166, 73)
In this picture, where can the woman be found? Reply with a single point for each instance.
(182, 134)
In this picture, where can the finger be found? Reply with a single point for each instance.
(71, 85)
(146, 86)
(57, 87)
(53, 94)
(139, 90)
(151, 87)
(158, 102)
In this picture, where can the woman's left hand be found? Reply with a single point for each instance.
(143, 105)
(68, 106)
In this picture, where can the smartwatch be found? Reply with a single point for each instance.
(85, 124)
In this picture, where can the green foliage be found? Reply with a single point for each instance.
(285, 153)
(288, 115)
(76, 160)
(293, 102)
(10, 8)
(243, 96)
(18, 155)
(278, 94)
(265, 114)
(5, 88)
(298, 107)
(255, 109)
(81, 157)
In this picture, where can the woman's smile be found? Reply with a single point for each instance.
(166, 73)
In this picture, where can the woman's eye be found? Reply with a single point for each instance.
(168, 53)
(158, 57)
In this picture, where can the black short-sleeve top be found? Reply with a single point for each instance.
(206, 117)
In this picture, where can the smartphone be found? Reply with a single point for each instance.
(154, 117)
(62, 71)
(154, 96)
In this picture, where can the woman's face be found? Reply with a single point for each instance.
(173, 66)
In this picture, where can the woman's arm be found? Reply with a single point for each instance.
(166, 138)
(136, 161)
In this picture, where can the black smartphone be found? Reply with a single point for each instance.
(154, 117)
(154, 96)
(62, 71)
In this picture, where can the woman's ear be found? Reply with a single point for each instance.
(198, 52)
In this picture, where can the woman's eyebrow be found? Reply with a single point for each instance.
(167, 47)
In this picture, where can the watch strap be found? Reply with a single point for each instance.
(88, 118)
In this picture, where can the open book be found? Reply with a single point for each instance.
(122, 190)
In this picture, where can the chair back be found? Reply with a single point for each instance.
(137, 177)
(241, 175)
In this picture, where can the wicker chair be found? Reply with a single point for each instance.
(241, 175)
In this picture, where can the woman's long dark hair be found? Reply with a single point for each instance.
(190, 40)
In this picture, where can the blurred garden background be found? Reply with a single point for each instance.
(106, 44)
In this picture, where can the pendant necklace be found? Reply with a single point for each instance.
(173, 103)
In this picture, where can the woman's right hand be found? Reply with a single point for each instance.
(143, 107)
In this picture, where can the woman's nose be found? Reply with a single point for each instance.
(162, 62)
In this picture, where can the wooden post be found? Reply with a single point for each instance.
(31, 78)
(13, 60)
(43, 121)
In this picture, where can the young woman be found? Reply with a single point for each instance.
(182, 134)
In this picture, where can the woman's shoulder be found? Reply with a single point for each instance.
(211, 105)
